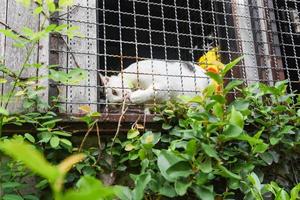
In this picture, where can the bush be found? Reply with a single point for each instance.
(209, 147)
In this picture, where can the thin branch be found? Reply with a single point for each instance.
(119, 124)
(13, 30)
(136, 121)
(99, 144)
(71, 10)
(45, 14)
(24, 37)
(85, 137)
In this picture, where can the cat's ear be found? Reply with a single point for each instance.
(104, 79)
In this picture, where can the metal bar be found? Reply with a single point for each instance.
(176, 31)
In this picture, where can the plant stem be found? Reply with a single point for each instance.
(20, 73)
(124, 109)
(1, 125)
(30, 51)
(85, 137)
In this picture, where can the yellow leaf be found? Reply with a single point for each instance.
(85, 108)
(217, 87)
(20, 93)
(129, 147)
(2, 80)
(212, 57)
(30, 83)
(139, 126)
(149, 139)
(213, 69)
(68, 163)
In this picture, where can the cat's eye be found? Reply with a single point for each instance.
(114, 92)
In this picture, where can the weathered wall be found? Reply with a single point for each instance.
(80, 52)
(13, 15)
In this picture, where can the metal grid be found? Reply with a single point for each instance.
(118, 33)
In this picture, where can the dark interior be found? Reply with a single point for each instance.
(160, 36)
(289, 40)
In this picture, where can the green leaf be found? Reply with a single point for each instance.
(231, 85)
(215, 77)
(3, 111)
(191, 148)
(282, 195)
(241, 105)
(51, 123)
(45, 137)
(61, 27)
(10, 34)
(66, 142)
(9, 185)
(166, 126)
(167, 190)
(54, 142)
(206, 165)
(267, 157)
(129, 147)
(62, 133)
(181, 187)
(236, 118)
(38, 10)
(132, 133)
(142, 154)
(210, 151)
(124, 193)
(253, 178)
(228, 174)
(90, 188)
(51, 6)
(3, 80)
(219, 98)
(12, 197)
(140, 185)
(179, 169)
(31, 197)
(218, 110)
(165, 160)
(249, 139)
(64, 3)
(231, 132)
(74, 76)
(31, 158)
(29, 137)
(295, 192)
(230, 65)
(149, 139)
(260, 148)
(274, 140)
(204, 193)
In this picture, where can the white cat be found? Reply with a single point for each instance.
(156, 81)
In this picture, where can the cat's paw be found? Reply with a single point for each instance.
(137, 97)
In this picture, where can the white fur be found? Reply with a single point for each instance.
(154, 80)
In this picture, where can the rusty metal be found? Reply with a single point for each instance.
(107, 125)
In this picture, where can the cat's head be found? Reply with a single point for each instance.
(115, 89)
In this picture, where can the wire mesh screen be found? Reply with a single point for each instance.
(142, 52)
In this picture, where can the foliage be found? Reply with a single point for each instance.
(209, 147)
(16, 181)
(87, 187)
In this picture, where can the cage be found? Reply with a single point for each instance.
(118, 33)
